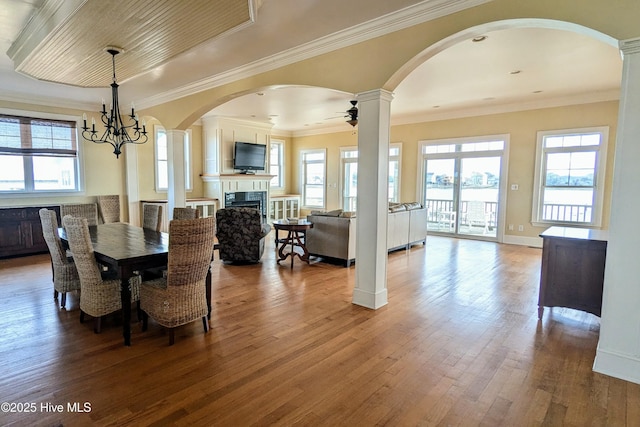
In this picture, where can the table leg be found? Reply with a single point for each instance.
(281, 254)
(293, 235)
(208, 291)
(303, 246)
(125, 292)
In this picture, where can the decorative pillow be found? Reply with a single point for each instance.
(348, 215)
(317, 213)
(335, 212)
(413, 205)
(397, 208)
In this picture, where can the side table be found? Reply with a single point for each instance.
(295, 239)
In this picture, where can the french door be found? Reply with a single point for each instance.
(462, 188)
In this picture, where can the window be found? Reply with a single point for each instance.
(162, 160)
(38, 155)
(313, 178)
(394, 172)
(570, 176)
(276, 163)
(349, 160)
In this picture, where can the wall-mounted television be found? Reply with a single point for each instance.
(248, 157)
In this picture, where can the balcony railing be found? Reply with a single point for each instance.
(567, 213)
(442, 211)
(439, 211)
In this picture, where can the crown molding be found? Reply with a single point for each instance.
(432, 116)
(425, 117)
(48, 101)
(407, 17)
(630, 46)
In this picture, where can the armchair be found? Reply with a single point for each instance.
(241, 234)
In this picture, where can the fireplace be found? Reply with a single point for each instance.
(252, 199)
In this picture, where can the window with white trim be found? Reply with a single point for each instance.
(38, 155)
(276, 163)
(162, 159)
(570, 168)
(313, 173)
(349, 181)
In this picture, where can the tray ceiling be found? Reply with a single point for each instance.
(65, 42)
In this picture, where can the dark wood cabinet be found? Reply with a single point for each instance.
(21, 230)
(572, 273)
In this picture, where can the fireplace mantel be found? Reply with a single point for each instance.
(217, 185)
(206, 177)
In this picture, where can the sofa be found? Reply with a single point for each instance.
(333, 235)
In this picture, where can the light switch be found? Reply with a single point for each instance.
(514, 186)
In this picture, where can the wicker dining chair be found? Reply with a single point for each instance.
(81, 210)
(98, 296)
(152, 217)
(109, 208)
(180, 297)
(65, 275)
(185, 213)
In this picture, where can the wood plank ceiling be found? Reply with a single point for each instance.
(66, 40)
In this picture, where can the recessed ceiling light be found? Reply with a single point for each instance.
(260, 93)
(478, 39)
(436, 106)
(537, 91)
(490, 98)
(515, 72)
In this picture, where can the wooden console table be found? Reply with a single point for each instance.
(572, 273)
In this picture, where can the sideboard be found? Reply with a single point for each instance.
(21, 230)
(572, 273)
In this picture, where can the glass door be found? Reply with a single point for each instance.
(441, 195)
(479, 195)
(461, 185)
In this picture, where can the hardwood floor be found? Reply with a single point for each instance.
(458, 344)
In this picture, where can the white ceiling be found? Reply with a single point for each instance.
(512, 69)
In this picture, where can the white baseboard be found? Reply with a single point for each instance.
(369, 299)
(618, 365)
(535, 242)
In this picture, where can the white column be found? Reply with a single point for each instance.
(177, 193)
(618, 351)
(132, 196)
(371, 226)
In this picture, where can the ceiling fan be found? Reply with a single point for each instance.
(352, 114)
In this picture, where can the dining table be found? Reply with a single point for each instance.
(128, 249)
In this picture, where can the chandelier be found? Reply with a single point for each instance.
(116, 132)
